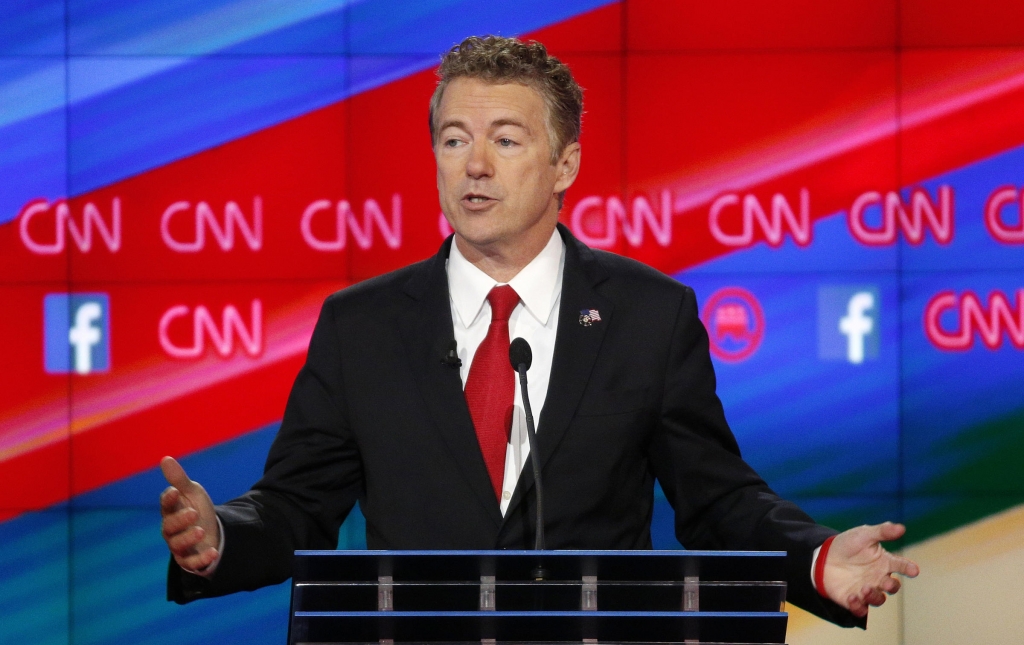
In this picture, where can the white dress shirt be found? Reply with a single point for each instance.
(535, 318)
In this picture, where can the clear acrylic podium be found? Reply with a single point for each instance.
(494, 597)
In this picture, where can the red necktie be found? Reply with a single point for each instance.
(491, 386)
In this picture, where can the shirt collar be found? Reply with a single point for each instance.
(538, 284)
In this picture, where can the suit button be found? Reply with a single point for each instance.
(505, 495)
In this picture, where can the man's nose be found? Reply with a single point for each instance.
(479, 164)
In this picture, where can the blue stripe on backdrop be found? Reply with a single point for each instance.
(372, 27)
(786, 405)
(839, 512)
(973, 247)
(134, 108)
(225, 470)
(185, 109)
(32, 162)
(119, 586)
(187, 27)
(34, 578)
(32, 28)
(832, 249)
(845, 512)
(323, 34)
(29, 87)
(118, 566)
(812, 426)
(430, 27)
(32, 132)
(946, 393)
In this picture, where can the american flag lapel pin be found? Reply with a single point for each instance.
(589, 316)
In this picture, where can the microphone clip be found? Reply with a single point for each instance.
(451, 358)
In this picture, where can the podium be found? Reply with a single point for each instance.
(495, 597)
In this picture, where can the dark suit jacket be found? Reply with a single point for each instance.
(375, 416)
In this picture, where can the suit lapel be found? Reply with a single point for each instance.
(426, 330)
(576, 350)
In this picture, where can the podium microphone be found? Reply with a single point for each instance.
(521, 357)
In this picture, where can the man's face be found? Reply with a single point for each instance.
(495, 180)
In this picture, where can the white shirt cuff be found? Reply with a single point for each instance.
(814, 563)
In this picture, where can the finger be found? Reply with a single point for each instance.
(901, 565)
(170, 500)
(887, 531)
(872, 596)
(197, 561)
(856, 607)
(891, 585)
(178, 521)
(184, 543)
(175, 474)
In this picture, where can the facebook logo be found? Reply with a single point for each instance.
(76, 333)
(848, 323)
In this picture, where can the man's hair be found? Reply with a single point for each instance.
(507, 60)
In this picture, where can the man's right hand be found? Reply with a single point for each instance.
(190, 525)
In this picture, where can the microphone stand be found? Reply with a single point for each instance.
(531, 433)
(521, 356)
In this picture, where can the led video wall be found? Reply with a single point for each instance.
(183, 183)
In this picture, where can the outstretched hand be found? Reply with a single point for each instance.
(858, 570)
(190, 525)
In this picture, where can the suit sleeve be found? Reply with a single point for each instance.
(312, 478)
(719, 501)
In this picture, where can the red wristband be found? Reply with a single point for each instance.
(819, 567)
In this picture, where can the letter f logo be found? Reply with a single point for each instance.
(84, 335)
(855, 325)
(76, 333)
(849, 327)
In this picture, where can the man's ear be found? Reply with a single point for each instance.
(567, 167)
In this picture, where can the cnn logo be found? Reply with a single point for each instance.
(913, 219)
(204, 219)
(200, 321)
(989, 321)
(773, 222)
(41, 216)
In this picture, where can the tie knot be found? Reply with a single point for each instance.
(503, 300)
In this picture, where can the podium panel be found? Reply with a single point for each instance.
(538, 597)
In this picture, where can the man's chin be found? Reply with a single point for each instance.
(480, 240)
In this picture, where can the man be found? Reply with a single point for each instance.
(433, 450)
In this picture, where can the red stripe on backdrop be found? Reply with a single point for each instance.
(959, 106)
(202, 418)
(826, 122)
(254, 189)
(134, 443)
(261, 187)
(306, 201)
(703, 127)
(193, 365)
(35, 480)
(823, 121)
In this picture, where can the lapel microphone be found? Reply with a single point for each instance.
(521, 357)
(451, 357)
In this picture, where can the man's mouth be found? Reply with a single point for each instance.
(478, 202)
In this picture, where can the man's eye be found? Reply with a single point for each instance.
(506, 142)
(451, 143)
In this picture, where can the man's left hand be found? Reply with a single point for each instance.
(858, 570)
